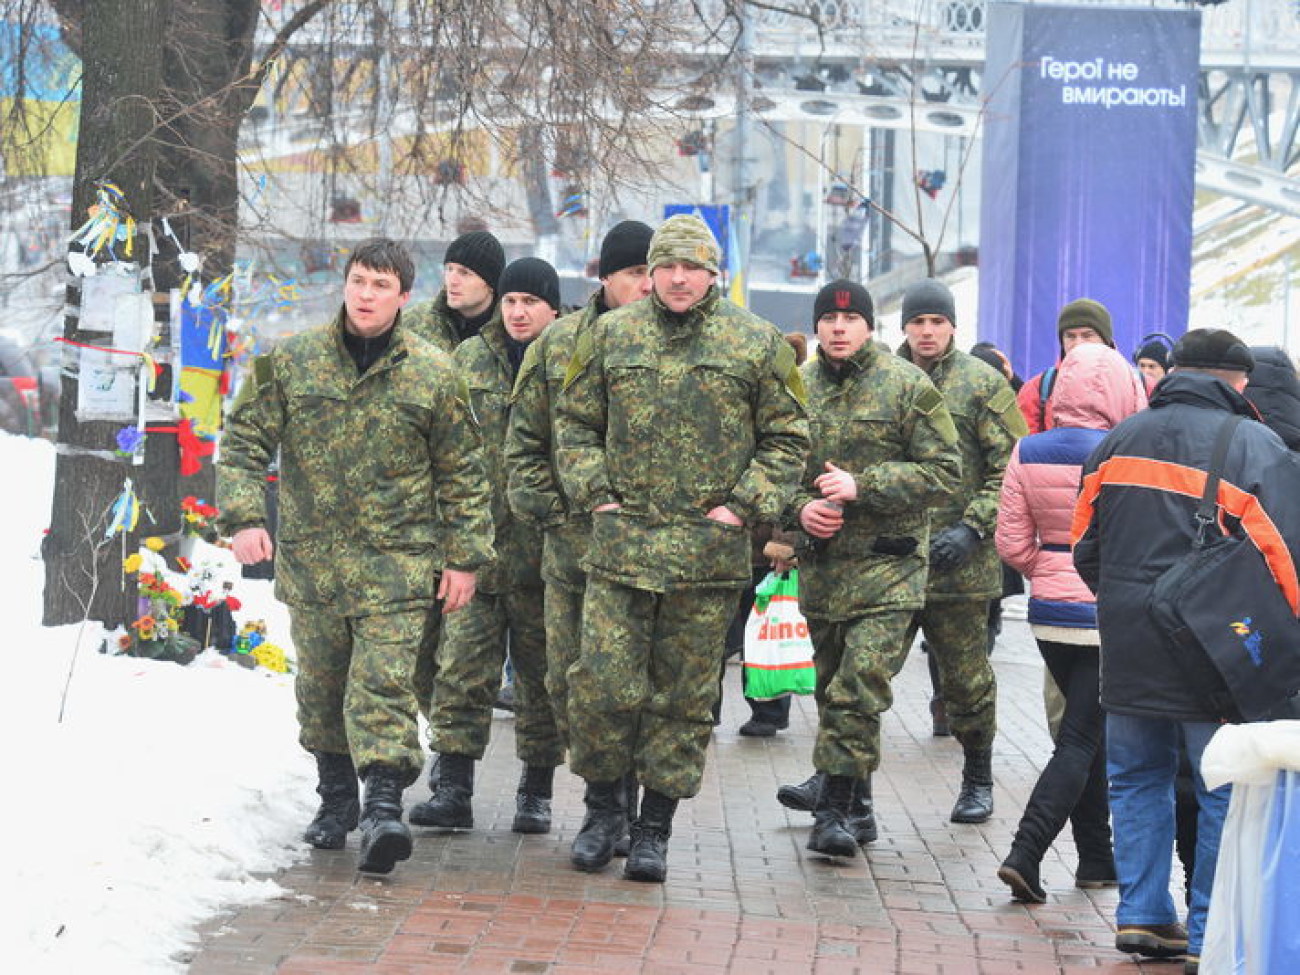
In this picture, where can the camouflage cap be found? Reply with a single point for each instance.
(684, 237)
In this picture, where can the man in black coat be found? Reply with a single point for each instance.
(1134, 520)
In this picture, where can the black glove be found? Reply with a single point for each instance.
(953, 547)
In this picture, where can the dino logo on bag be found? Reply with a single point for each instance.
(783, 630)
(1250, 639)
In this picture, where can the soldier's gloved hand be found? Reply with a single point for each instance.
(953, 547)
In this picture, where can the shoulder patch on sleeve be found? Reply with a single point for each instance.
(1004, 405)
(929, 400)
(787, 370)
(263, 371)
(256, 384)
(931, 405)
(584, 350)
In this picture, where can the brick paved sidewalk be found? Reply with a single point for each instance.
(742, 895)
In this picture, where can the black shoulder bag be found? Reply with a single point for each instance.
(1225, 619)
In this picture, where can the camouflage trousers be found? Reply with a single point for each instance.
(856, 661)
(957, 633)
(354, 688)
(641, 694)
(470, 657)
(563, 640)
(426, 661)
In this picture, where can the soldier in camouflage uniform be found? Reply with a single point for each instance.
(371, 425)
(680, 423)
(467, 301)
(884, 450)
(965, 573)
(507, 607)
(534, 490)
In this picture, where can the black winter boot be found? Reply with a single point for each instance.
(384, 837)
(647, 857)
(830, 832)
(631, 802)
(1019, 871)
(433, 772)
(533, 800)
(939, 726)
(802, 797)
(605, 822)
(975, 801)
(449, 807)
(340, 806)
(862, 813)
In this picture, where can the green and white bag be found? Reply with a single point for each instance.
(778, 649)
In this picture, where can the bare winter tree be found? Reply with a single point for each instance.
(430, 85)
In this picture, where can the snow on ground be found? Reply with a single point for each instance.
(161, 792)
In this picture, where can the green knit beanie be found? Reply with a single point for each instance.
(1086, 313)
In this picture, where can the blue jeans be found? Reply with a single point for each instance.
(1142, 761)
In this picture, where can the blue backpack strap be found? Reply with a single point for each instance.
(1045, 387)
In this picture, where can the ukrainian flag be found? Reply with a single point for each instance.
(40, 101)
(738, 291)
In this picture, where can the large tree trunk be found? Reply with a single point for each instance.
(120, 84)
(207, 90)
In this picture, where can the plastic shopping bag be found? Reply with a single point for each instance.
(778, 649)
(1253, 927)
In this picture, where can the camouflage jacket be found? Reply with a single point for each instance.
(670, 416)
(435, 322)
(534, 488)
(484, 365)
(381, 475)
(983, 406)
(883, 421)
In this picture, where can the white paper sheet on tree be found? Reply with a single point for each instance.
(107, 387)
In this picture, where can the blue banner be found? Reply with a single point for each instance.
(1089, 172)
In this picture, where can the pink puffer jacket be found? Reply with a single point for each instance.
(1095, 389)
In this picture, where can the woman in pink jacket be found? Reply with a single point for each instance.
(1095, 389)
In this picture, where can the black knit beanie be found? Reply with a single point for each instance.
(1156, 351)
(844, 295)
(532, 276)
(626, 245)
(929, 297)
(1212, 348)
(1086, 313)
(479, 251)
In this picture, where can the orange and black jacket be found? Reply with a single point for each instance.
(1134, 519)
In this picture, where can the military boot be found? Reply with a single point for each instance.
(449, 807)
(802, 797)
(384, 837)
(605, 822)
(830, 833)
(647, 857)
(533, 800)
(939, 726)
(631, 801)
(862, 813)
(975, 801)
(340, 806)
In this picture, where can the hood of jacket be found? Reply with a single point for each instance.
(1274, 390)
(1095, 389)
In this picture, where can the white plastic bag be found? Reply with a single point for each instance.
(1253, 927)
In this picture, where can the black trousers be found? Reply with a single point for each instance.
(1072, 787)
